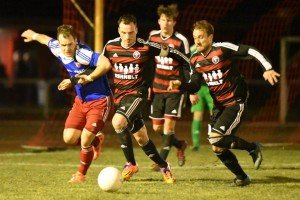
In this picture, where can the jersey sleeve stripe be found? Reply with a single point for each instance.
(260, 58)
(185, 42)
(226, 45)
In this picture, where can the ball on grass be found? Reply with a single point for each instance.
(110, 179)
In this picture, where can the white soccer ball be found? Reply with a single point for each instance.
(110, 179)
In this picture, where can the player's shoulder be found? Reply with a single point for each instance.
(154, 32)
(180, 36)
(54, 47)
(84, 46)
(53, 44)
(84, 54)
(114, 41)
(227, 45)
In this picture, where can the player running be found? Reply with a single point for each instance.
(93, 102)
(213, 65)
(167, 105)
(128, 58)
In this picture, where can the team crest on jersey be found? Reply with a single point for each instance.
(215, 59)
(136, 54)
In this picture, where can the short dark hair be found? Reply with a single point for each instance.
(127, 19)
(204, 25)
(66, 30)
(170, 11)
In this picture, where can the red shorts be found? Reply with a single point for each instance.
(90, 115)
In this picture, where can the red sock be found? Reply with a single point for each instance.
(96, 141)
(86, 158)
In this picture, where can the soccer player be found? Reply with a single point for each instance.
(213, 65)
(128, 57)
(200, 101)
(167, 105)
(93, 101)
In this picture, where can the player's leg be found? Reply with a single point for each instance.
(150, 150)
(231, 120)
(86, 156)
(101, 108)
(229, 160)
(97, 144)
(196, 129)
(72, 133)
(95, 114)
(157, 117)
(173, 110)
(120, 125)
(223, 125)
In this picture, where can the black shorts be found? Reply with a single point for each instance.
(130, 107)
(226, 120)
(166, 104)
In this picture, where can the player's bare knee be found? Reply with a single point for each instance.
(68, 139)
(216, 149)
(215, 138)
(119, 125)
(71, 136)
(141, 140)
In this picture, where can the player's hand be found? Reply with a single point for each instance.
(271, 76)
(65, 84)
(28, 35)
(84, 79)
(194, 99)
(174, 85)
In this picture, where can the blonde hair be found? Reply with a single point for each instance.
(66, 31)
(204, 25)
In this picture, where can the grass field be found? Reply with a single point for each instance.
(45, 175)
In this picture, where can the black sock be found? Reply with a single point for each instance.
(234, 142)
(166, 146)
(126, 145)
(239, 143)
(152, 153)
(175, 142)
(230, 161)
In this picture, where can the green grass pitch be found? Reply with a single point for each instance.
(45, 175)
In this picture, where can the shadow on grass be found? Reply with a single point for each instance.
(277, 179)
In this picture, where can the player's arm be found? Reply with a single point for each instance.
(102, 67)
(269, 74)
(192, 86)
(30, 35)
(164, 50)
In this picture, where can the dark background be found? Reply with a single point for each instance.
(45, 15)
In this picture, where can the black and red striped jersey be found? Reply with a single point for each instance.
(131, 73)
(168, 68)
(217, 69)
